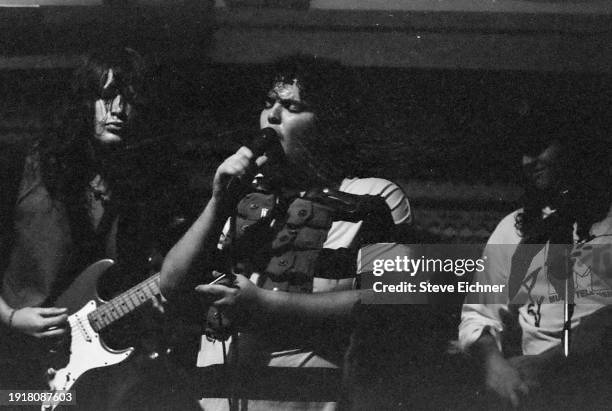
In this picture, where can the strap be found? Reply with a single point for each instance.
(336, 264)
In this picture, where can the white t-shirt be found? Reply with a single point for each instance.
(541, 320)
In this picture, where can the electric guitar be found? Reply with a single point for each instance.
(88, 315)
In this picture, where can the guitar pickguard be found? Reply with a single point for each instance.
(87, 351)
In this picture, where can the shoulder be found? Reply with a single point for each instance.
(370, 185)
(20, 171)
(505, 232)
(392, 193)
(31, 176)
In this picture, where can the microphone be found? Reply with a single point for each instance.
(266, 142)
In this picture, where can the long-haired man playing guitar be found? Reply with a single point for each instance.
(90, 189)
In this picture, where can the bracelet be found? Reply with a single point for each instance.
(10, 321)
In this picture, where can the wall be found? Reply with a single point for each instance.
(443, 82)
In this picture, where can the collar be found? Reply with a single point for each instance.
(603, 227)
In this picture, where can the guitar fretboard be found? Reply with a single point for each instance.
(124, 303)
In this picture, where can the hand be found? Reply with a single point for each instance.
(41, 322)
(235, 165)
(246, 296)
(530, 368)
(504, 379)
(158, 302)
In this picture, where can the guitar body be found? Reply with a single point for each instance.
(84, 287)
(56, 364)
(86, 349)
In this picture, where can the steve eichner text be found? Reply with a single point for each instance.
(458, 266)
(427, 287)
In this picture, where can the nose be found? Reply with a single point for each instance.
(117, 105)
(529, 161)
(274, 115)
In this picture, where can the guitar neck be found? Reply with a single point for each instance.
(124, 303)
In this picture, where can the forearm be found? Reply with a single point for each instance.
(195, 247)
(485, 348)
(315, 307)
(5, 311)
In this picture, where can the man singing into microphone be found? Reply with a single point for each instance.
(292, 242)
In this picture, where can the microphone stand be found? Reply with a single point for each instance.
(266, 140)
(568, 311)
(568, 297)
(567, 226)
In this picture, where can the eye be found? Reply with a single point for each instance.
(109, 93)
(131, 94)
(294, 107)
(269, 102)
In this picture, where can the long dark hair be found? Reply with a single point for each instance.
(586, 194)
(67, 153)
(143, 180)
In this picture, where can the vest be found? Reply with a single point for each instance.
(282, 237)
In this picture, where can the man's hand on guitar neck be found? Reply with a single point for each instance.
(40, 322)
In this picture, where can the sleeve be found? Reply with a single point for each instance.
(393, 195)
(482, 312)
(344, 234)
(398, 203)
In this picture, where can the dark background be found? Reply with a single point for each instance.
(447, 136)
(443, 87)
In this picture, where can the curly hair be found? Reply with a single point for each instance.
(587, 187)
(331, 90)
